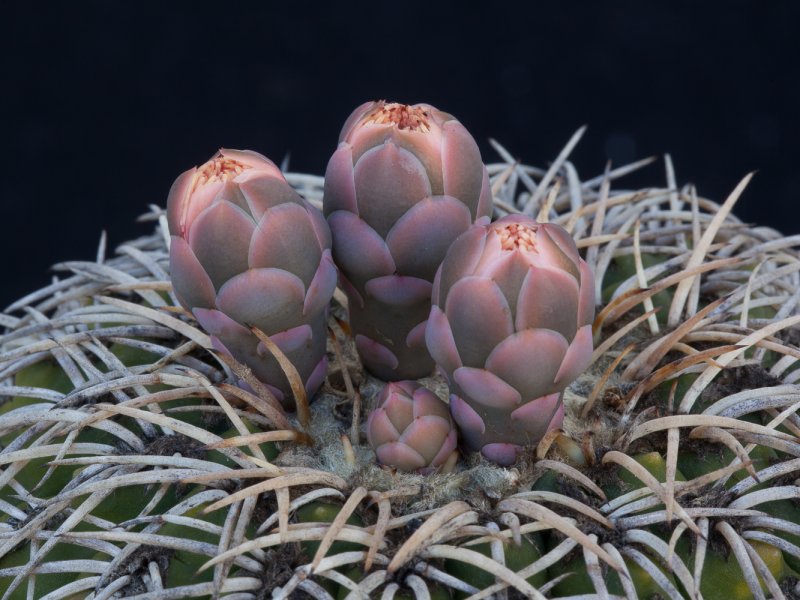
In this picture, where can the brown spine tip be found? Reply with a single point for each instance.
(402, 116)
(517, 235)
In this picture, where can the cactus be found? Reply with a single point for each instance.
(246, 251)
(510, 326)
(411, 429)
(404, 182)
(131, 466)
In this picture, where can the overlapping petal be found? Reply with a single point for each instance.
(553, 253)
(426, 230)
(502, 454)
(317, 377)
(410, 428)
(447, 448)
(485, 202)
(586, 300)
(380, 429)
(440, 342)
(460, 261)
(263, 191)
(373, 352)
(548, 299)
(416, 337)
(398, 290)
(529, 361)
(577, 357)
(467, 417)
(398, 404)
(178, 210)
(400, 455)
(340, 187)
(270, 299)
(290, 340)
(479, 317)
(322, 286)
(427, 434)
(358, 249)
(535, 415)
(486, 388)
(189, 278)
(394, 175)
(285, 238)
(220, 238)
(355, 117)
(508, 271)
(427, 404)
(462, 168)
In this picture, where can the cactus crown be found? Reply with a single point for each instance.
(220, 168)
(517, 236)
(402, 116)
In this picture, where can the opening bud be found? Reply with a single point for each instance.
(517, 236)
(402, 116)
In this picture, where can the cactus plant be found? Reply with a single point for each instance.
(411, 429)
(510, 326)
(404, 182)
(130, 465)
(246, 251)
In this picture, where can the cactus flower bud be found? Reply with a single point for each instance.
(247, 250)
(404, 182)
(510, 326)
(411, 428)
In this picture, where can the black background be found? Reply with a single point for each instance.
(105, 103)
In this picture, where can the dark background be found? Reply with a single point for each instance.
(105, 103)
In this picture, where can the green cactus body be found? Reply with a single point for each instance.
(788, 510)
(46, 583)
(655, 464)
(437, 592)
(722, 577)
(516, 558)
(124, 502)
(695, 464)
(578, 581)
(185, 566)
(325, 512)
(624, 267)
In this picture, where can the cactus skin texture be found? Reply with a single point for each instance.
(247, 250)
(404, 182)
(411, 429)
(510, 326)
